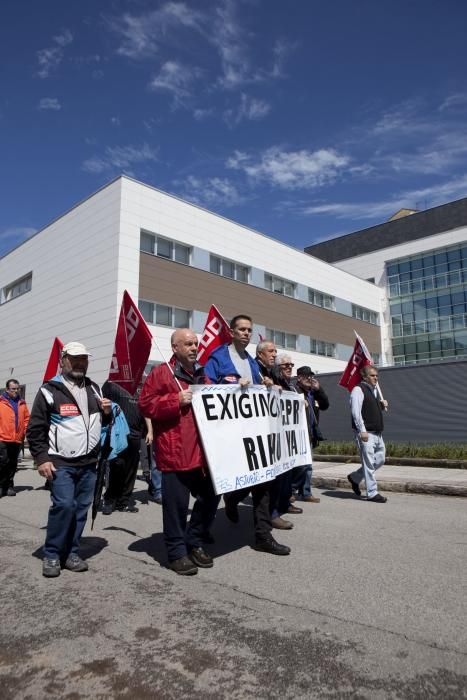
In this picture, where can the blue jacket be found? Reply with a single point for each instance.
(221, 370)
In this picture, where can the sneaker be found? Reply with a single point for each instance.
(50, 568)
(183, 566)
(271, 547)
(201, 558)
(154, 499)
(10, 491)
(75, 563)
(108, 508)
(378, 499)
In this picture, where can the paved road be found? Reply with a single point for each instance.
(371, 604)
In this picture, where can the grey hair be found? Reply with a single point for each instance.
(283, 357)
(365, 371)
(262, 344)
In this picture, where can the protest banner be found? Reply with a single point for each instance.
(250, 435)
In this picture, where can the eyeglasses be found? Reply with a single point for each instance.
(287, 364)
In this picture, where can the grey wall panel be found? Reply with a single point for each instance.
(427, 403)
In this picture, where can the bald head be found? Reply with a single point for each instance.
(185, 347)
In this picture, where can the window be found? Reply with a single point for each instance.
(279, 286)
(321, 347)
(227, 268)
(282, 339)
(164, 248)
(161, 315)
(364, 314)
(17, 288)
(326, 301)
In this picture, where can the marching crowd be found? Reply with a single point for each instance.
(71, 414)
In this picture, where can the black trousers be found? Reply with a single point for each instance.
(261, 514)
(122, 475)
(281, 491)
(176, 489)
(9, 452)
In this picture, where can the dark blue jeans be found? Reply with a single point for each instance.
(301, 480)
(71, 491)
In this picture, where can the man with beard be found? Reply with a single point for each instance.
(64, 436)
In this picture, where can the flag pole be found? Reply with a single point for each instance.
(166, 362)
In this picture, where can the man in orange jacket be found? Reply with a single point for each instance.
(14, 417)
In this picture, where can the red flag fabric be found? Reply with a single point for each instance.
(216, 332)
(53, 365)
(360, 358)
(132, 347)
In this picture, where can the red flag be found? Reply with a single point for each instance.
(53, 365)
(360, 358)
(216, 332)
(132, 347)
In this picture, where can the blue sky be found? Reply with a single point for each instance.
(301, 119)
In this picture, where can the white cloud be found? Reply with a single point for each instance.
(120, 158)
(422, 198)
(459, 99)
(49, 103)
(211, 192)
(115, 121)
(141, 34)
(250, 108)
(292, 169)
(50, 58)
(16, 233)
(200, 114)
(176, 79)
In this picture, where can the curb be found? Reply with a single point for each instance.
(433, 489)
(397, 461)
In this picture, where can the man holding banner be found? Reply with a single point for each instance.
(166, 398)
(231, 364)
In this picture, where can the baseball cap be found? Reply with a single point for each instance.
(307, 371)
(74, 349)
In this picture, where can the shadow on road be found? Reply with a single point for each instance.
(339, 494)
(89, 547)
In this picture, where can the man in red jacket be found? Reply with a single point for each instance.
(179, 455)
(14, 417)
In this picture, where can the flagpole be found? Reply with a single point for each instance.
(170, 368)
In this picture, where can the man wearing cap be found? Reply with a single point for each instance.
(14, 416)
(64, 435)
(316, 400)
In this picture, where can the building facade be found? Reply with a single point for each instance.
(175, 259)
(420, 264)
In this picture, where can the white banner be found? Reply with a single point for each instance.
(250, 435)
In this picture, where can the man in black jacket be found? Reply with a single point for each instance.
(316, 400)
(367, 421)
(64, 434)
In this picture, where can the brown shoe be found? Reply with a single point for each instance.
(294, 510)
(281, 524)
(311, 499)
(292, 499)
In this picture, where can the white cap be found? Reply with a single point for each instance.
(74, 349)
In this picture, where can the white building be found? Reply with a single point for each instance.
(175, 259)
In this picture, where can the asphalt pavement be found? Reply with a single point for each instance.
(370, 604)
